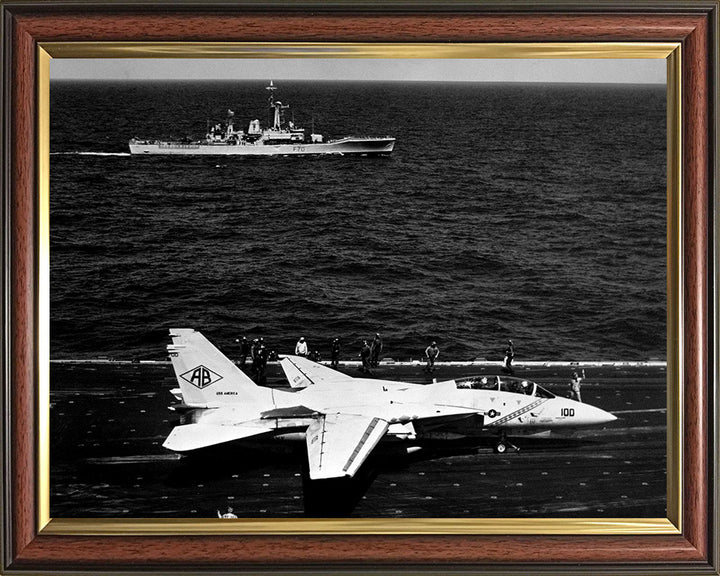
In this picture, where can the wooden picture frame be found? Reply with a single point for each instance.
(690, 546)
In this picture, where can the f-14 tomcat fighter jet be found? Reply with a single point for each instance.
(342, 419)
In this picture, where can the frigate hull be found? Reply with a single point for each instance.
(343, 146)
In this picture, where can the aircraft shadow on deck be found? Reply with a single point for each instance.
(338, 497)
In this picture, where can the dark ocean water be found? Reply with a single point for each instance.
(536, 212)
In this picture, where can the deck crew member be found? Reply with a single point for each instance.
(301, 348)
(253, 355)
(335, 353)
(575, 387)
(228, 514)
(262, 356)
(244, 351)
(375, 350)
(431, 354)
(509, 355)
(365, 357)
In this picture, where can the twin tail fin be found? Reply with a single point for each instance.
(206, 376)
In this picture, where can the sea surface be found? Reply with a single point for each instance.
(524, 211)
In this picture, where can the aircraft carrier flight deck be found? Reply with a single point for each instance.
(108, 421)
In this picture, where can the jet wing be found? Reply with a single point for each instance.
(302, 372)
(193, 436)
(338, 444)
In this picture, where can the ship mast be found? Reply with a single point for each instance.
(277, 105)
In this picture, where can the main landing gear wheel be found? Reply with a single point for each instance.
(500, 448)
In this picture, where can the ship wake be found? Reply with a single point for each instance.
(78, 153)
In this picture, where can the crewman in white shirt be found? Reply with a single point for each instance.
(301, 348)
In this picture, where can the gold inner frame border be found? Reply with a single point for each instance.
(669, 51)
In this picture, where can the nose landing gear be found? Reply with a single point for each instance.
(503, 444)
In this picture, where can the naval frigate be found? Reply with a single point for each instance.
(283, 138)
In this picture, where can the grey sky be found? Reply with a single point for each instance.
(483, 70)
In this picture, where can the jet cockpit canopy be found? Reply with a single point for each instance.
(504, 384)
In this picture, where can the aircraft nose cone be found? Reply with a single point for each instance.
(587, 415)
(600, 416)
(609, 418)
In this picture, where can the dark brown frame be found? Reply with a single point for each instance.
(692, 23)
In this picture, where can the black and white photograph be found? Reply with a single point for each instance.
(363, 288)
